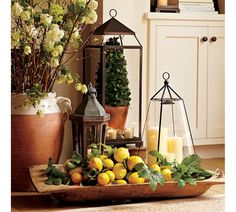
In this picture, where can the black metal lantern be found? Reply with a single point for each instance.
(97, 52)
(89, 123)
(167, 126)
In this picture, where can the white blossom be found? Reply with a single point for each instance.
(16, 9)
(55, 34)
(57, 51)
(91, 18)
(93, 5)
(79, 2)
(31, 30)
(84, 89)
(59, 48)
(80, 87)
(15, 39)
(46, 19)
(54, 62)
(27, 50)
(49, 45)
(25, 15)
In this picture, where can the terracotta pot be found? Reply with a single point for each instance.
(118, 116)
(35, 139)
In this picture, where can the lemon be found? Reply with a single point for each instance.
(167, 174)
(119, 171)
(111, 175)
(108, 163)
(134, 178)
(76, 177)
(102, 157)
(121, 154)
(78, 169)
(133, 161)
(96, 163)
(120, 182)
(155, 167)
(103, 179)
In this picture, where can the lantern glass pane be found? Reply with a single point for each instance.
(170, 119)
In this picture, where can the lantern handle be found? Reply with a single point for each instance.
(113, 10)
(166, 77)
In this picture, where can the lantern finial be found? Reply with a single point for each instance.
(90, 105)
(110, 13)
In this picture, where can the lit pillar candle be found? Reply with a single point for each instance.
(111, 133)
(152, 140)
(162, 2)
(129, 133)
(175, 145)
(152, 135)
(163, 141)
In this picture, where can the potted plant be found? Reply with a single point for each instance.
(117, 92)
(42, 33)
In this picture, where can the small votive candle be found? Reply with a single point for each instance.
(162, 2)
(111, 133)
(129, 132)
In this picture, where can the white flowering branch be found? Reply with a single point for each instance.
(41, 35)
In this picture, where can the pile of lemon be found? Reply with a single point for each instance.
(118, 168)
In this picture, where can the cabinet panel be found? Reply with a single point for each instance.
(215, 90)
(180, 51)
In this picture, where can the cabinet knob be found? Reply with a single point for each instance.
(214, 39)
(204, 39)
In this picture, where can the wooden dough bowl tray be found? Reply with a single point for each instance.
(77, 193)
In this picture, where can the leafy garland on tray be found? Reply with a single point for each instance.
(188, 171)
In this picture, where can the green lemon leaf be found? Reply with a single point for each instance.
(181, 183)
(192, 160)
(49, 181)
(76, 157)
(57, 181)
(190, 181)
(156, 154)
(153, 184)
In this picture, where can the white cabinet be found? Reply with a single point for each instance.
(215, 86)
(191, 49)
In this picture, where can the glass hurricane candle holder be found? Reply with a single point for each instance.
(167, 126)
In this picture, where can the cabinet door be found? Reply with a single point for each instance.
(215, 90)
(180, 51)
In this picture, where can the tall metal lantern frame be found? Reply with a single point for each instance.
(172, 112)
(113, 27)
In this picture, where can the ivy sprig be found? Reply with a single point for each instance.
(95, 152)
(151, 175)
(160, 159)
(55, 175)
(189, 171)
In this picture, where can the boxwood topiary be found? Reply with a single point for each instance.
(117, 92)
